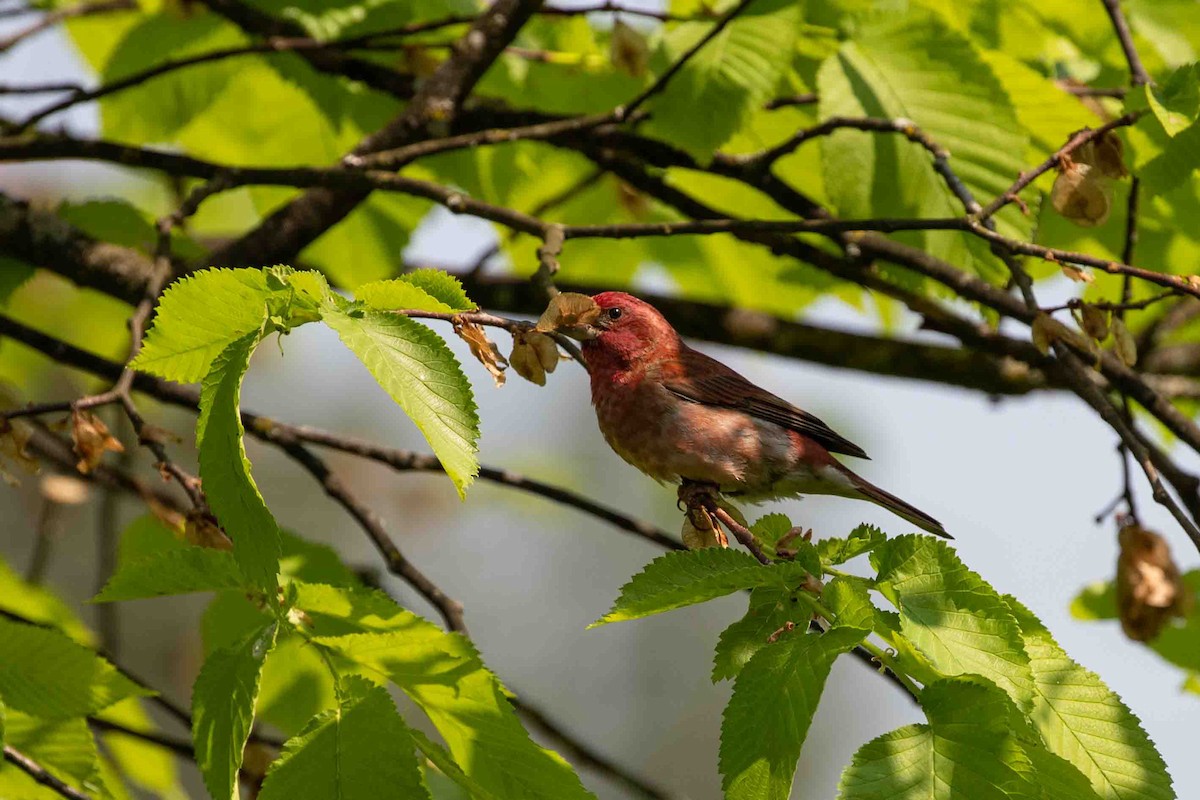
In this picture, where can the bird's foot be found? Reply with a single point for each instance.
(693, 494)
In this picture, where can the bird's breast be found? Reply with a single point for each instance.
(669, 438)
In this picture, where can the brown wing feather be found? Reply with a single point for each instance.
(700, 379)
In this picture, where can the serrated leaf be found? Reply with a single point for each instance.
(1176, 103)
(444, 763)
(914, 67)
(361, 750)
(967, 751)
(850, 603)
(225, 470)
(767, 719)
(223, 700)
(861, 540)
(199, 316)
(440, 285)
(1180, 157)
(445, 676)
(45, 674)
(684, 578)
(1087, 724)
(66, 749)
(395, 294)
(770, 610)
(416, 368)
(735, 72)
(182, 571)
(952, 615)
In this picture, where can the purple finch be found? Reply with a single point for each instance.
(680, 416)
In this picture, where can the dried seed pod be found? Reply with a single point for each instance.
(700, 530)
(1094, 321)
(1081, 195)
(1108, 155)
(628, 50)
(92, 439)
(1044, 331)
(1126, 345)
(482, 348)
(1149, 589)
(524, 359)
(1077, 274)
(568, 309)
(202, 530)
(14, 436)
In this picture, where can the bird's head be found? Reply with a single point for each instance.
(626, 328)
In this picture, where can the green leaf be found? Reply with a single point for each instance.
(767, 719)
(735, 72)
(141, 763)
(1087, 724)
(684, 578)
(770, 610)
(862, 539)
(417, 369)
(38, 604)
(225, 470)
(952, 615)
(1175, 164)
(361, 750)
(199, 316)
(223, 700)
(44, 673)
(397, 294)
(850, 603)
(967, 751)
(192, 569)
(426, 289)
(770, 528)
(1176, 104)
(13, 274)
(444, 763)
(915, 67)
(445, 676)
(66, 749)
(177, 98)
(1096, 601)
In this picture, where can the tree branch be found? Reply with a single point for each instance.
(41, 774)
(283, 234)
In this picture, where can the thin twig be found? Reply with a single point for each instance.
(1137, 72)
(40, 774)
(580, 752)
(1076, 141)
(660, 83)
(450, 609)
(61, 15)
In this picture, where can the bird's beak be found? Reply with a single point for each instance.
(582, 332)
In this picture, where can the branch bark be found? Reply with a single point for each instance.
(282, 235)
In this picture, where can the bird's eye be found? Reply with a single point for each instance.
(614, 313)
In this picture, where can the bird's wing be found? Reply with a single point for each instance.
(699, 379)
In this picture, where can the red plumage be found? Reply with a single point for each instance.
(675, 413)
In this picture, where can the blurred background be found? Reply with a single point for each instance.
(1017, 482)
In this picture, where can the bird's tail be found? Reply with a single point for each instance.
(904, 510)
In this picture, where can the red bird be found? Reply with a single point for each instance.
(676, 414)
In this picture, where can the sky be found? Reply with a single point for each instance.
(1017, 482)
